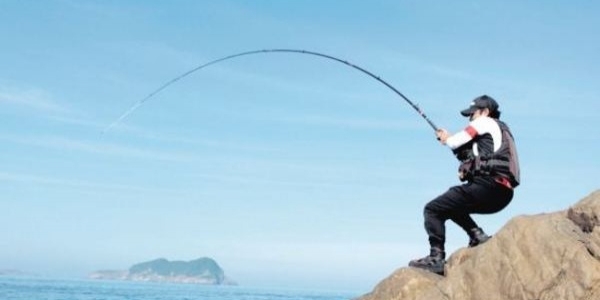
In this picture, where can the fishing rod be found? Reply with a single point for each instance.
(172, 81)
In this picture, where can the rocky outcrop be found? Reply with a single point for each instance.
(552, 256)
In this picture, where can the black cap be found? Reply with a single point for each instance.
(481, 102)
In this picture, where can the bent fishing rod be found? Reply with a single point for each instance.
(263, 51)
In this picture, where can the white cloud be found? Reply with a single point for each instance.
(33, 99)
(73, 183)
(103, 148)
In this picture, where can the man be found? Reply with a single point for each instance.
(489, 165)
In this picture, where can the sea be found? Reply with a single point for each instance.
(41, 288)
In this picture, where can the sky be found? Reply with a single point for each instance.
(289, 170)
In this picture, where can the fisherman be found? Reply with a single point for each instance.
(489, 165)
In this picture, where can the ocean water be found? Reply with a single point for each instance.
(35, 288)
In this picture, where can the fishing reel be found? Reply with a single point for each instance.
(464, 152)
(467, 159)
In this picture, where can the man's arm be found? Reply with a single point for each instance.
(456, 140)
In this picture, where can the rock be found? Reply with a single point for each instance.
(542, 257)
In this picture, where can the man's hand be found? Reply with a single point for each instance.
(442, 135)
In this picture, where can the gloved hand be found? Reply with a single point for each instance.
(442, 135)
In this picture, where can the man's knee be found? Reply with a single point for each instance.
(431, 210)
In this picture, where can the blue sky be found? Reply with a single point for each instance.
(289, 170)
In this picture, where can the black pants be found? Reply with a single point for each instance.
(482, 196)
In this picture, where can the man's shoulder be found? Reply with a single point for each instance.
(484, 122)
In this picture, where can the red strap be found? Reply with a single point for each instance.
(471, 131)
(503, 181)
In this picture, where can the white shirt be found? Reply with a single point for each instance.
(480, 126)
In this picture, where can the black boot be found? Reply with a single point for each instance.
(434, 262)
(477, 237)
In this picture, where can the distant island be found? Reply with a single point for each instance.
(200, 271)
